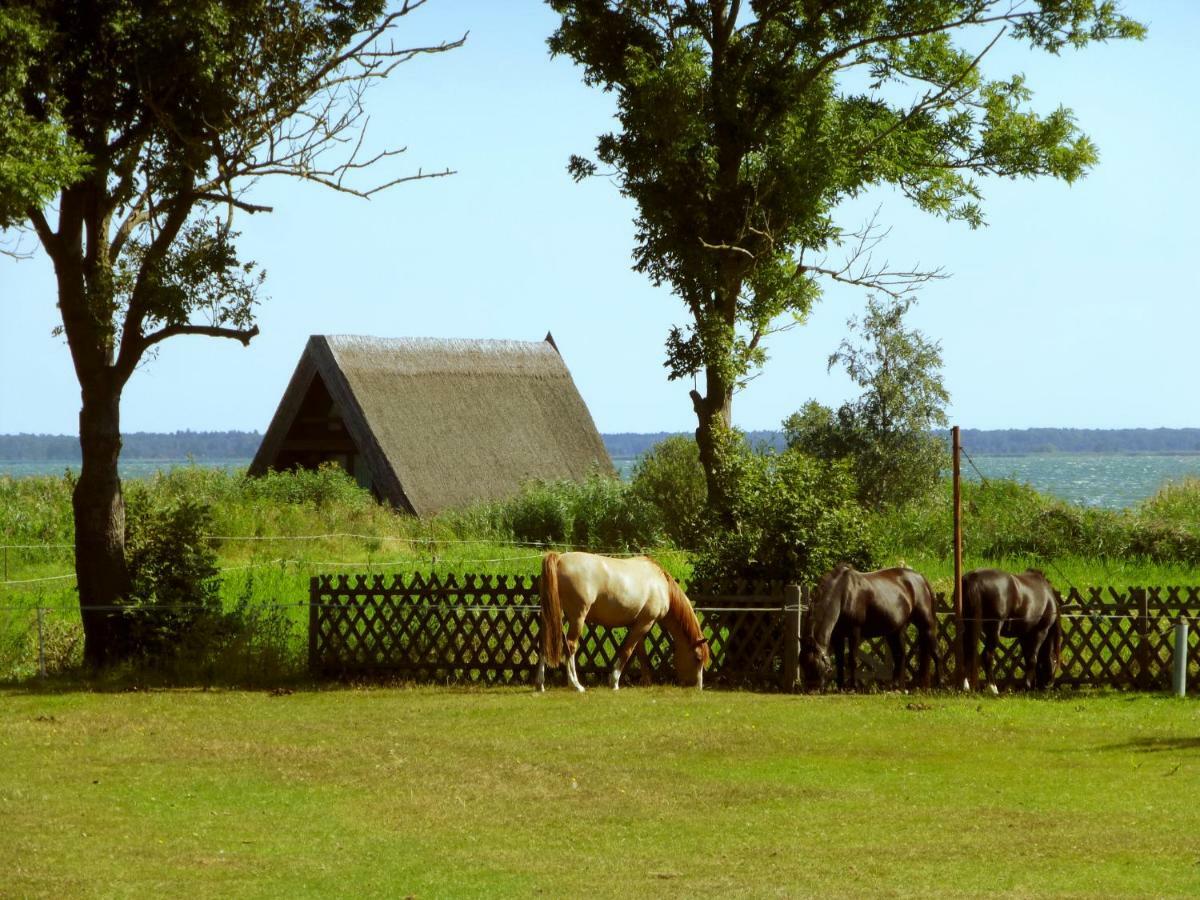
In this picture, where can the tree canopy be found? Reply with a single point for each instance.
(130, 136)
(743, 126)
(887, 432)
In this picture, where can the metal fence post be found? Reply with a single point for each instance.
(41, 612)
(1181, 656)
(791, 649)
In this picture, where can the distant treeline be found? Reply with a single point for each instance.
(1005, 442)
(1014, 441)
(627, 445)
(244, 444)
(136, 445)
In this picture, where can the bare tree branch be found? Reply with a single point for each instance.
(236, 334)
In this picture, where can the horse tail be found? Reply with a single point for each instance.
(972, 624)
(931, 639)
(552, 636)
(1056, 642)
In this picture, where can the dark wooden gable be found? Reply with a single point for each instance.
(318, 434)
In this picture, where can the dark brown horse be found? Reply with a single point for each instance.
(1024, 606)
(850, 605)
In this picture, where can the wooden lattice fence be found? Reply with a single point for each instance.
(1111, 638)
(483, 628)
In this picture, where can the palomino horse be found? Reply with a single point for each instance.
(630, 593)
(849, 605)
(1024, 606)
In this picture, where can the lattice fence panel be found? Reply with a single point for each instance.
(487, 629)
(481, 628)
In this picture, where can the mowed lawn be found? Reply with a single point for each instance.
(440, 792)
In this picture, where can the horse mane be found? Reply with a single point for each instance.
(682, 613)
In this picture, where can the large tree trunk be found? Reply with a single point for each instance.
(100, 526)
(714, 413)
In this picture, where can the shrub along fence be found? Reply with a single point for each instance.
(482, 628)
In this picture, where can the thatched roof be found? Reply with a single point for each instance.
(431, 424)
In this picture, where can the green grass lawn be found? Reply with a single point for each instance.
(649, 792)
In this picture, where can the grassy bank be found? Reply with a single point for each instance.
(436, 792)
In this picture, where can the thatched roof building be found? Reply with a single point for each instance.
(430, 424)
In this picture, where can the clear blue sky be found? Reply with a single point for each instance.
(1077, 306)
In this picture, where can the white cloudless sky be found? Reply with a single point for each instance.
(1076, 307)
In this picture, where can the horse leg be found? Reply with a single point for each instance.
(1032, 645)
(644, 664)
(895, 641)
(928, 653)
(839, 655)
(574, 631)
(540, 681)
(855, 640)
(970, 652)
(991, 640)
(633, 638)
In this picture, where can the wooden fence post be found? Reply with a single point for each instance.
(792, 596)
(1143, 630)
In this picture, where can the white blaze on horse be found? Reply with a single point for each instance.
(616, 593)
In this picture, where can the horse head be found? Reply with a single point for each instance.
(814, 662)
(690, 660)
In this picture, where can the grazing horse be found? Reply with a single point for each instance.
(630, 593)
(849, 605)
(1024, 606)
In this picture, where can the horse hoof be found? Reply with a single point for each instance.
(995, 690)
(966, 684)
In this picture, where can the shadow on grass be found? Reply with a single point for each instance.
(1157, 744)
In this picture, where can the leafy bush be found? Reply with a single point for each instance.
(794, 517)
(670, 479)
(174, 598)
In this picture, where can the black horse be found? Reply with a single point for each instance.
(1023, 606)
(849, 605)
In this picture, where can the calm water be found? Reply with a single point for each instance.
(1109, 480)
(135, 468)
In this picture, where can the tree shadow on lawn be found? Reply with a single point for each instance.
(1157, 744)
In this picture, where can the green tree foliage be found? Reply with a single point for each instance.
(743, 126)
(793, 518)
(887, 433)
(670, 479)
(37, 154)
(129, 135)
